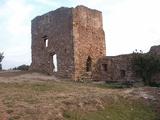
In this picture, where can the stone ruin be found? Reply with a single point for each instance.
(119, 68)
(74, 35)
(114, 68)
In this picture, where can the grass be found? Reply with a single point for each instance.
(120, 110)
(68, 101)
(112, 85)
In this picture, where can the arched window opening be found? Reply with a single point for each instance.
(89, 64)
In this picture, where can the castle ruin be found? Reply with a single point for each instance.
(74, 35)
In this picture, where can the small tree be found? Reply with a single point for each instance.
(1, 58)
(145, 66)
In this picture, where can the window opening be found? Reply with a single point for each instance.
(104, 67)
(45, 38)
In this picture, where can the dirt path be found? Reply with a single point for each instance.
(18, 76)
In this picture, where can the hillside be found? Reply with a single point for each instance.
(34, 96)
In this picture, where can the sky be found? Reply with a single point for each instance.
(128, 25)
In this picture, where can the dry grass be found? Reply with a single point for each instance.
(26, 97)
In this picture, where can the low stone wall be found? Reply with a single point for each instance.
(115, 68)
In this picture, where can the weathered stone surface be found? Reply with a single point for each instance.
(119, 68)
(115, 68)
(155, 50)
(56, 26)
(88, 37)
(75, 35)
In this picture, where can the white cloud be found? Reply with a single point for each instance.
(128, 24)
(16, 14)
(46, 2)
(15, 20)
(133, 24)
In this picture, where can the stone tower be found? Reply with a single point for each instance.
(74, 35)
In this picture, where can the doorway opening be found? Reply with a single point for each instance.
(54, 63)
(122, 73)
(89, 64)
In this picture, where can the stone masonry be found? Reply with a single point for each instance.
(119, 68)
(74, 35)
(155, 50)
(115, 68)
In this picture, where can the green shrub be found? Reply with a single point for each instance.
(22, 68)
(145, 66)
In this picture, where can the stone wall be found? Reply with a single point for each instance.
(56, 28)
(75, 35)
(155, 50)
(115, 68)
(119, 68)
(88, 37)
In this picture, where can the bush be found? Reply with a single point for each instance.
(145, 66)
(22, 68)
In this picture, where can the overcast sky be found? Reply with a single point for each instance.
(128, 25)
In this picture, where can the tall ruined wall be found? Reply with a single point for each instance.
(56, 27)
(75, 35)
(88, 38)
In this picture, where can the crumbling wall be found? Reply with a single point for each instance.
(56, 28)
(115, 68)
(155, 50)
(75, 35)
(88, 37)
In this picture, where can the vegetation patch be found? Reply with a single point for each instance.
(117, 110)
(62, 100)
(116, 85)
(146, 66)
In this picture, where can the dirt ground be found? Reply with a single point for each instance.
(35, 96)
